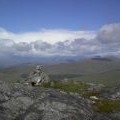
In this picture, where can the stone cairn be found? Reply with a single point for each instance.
(38, 76)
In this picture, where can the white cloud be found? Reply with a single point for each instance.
(6, 45)
(22, 46)
(109, 37)
(109, 34)
(50, 36)
(62, 42)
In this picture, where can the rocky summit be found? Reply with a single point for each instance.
(25, 102)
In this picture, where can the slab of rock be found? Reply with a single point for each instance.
(112, 93)
(33, 103)
(24, 102)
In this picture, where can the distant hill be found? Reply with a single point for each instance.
(12, 60)
(85, 66)
(96, 70)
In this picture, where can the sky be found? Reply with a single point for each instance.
(60, 27)
(33, 15)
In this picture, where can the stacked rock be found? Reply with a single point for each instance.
(38, 76)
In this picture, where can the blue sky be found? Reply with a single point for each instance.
(32, 15)
(59, 27)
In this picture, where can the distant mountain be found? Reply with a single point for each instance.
(85, 66)
(71, 66)
(13, 60)
(102, 58)
(105, 71)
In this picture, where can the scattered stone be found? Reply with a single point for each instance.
(94, 98)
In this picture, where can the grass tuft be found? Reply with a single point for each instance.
(67, 86)
(107, 105)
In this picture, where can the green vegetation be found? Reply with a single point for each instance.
(109, 78)
(107, 105)
(99, 105)
(15, 74)
(63, 76)
(67, 86)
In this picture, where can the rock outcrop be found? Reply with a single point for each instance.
(24, 102)
(115, 92)
(112, 93)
